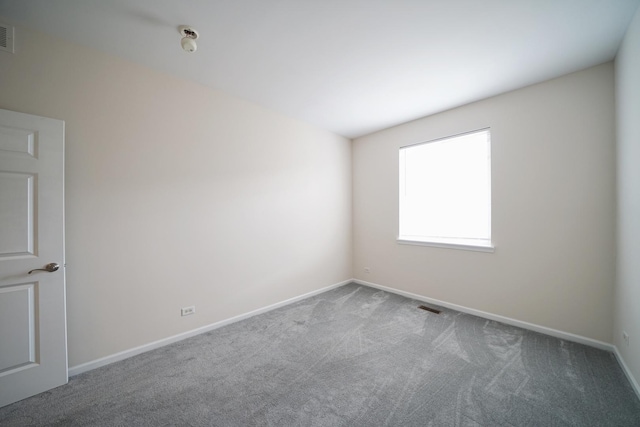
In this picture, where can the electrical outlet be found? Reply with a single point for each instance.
(625, 337)
(367, 270)
(186, 311)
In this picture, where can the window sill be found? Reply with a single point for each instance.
(448, 244)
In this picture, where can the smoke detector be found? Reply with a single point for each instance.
(189, 36)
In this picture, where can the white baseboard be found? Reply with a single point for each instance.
(84, 367)
(627, 371)
(525, 325)
(509, 321)
(75, 370)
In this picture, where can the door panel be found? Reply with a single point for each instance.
(16, 213)
(33, 348)
(17, 303)
(17, 140)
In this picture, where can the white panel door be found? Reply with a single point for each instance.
(33, 335)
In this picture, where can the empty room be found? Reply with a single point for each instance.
(319, 213)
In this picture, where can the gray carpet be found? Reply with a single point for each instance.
(353, 356)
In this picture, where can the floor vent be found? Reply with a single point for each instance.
(6, 38)
(433, 310)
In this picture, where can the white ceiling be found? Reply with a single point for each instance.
(349, 66)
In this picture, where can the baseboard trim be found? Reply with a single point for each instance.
(514, 322)
(103, 361)
(627, 371)
(88, 366)
(509, 321)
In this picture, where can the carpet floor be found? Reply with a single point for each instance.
(352, 356)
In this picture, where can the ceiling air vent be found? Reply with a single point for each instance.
(6, 38)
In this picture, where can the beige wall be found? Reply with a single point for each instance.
(179, 195)
(553, 208)
(627, 301)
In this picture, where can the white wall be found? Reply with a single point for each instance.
(627, 297)
(179, 195)
(553, 171)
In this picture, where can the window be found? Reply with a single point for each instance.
(445, 192)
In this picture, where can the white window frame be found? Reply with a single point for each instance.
(472, 244)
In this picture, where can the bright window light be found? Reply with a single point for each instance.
(445, 191)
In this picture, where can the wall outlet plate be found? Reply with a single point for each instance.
(186, 311)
